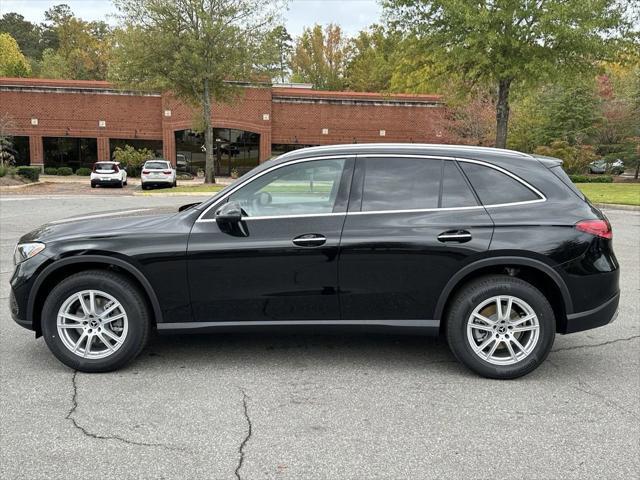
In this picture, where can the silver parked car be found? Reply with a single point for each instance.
(602, 166)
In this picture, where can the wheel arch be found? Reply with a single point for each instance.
(534, 271)
(67, 266)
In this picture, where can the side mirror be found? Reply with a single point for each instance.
(229, 219)
(230, 212)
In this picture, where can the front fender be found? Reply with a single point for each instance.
(91, 259)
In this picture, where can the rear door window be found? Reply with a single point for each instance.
(401, 184)
(455, 189)
(494, 187)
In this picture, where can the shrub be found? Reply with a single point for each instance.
(589, 179)
(30, 173)
(83, 172)
(132, 159)
(51, 171)
(65, 171)
(3, 170)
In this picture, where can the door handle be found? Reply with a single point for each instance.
(460, 236)
(310, 240)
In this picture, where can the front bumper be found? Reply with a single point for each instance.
(18, 314)
(597, 317)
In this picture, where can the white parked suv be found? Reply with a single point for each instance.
(108, 173)
(158, 173)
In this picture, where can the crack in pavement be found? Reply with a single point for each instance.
(245, 407)
(590, 345)
(585, 387)
(74, 407)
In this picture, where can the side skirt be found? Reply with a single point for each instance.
(410, 327)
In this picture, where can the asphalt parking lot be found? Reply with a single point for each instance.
(316, 407)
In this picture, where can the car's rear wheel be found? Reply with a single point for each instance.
(93, 185)
(95, 321)
(500, 326)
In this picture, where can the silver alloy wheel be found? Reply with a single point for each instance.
(503, 330)
(92, 324)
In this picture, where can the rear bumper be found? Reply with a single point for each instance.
(597, 317)
(110, 181)
(156, 181)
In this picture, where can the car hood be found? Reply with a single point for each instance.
(101, 224)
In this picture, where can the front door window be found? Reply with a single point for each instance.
(304, 188)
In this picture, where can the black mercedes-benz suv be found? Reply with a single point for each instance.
(494, 249)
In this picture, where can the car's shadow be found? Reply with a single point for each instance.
(256, 350)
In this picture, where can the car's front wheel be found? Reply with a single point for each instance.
(500, 326)
(95, 321)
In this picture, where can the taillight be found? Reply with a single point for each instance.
(167, 172)
(145, 172)
(599, 228)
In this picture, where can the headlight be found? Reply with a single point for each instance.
(26, 250)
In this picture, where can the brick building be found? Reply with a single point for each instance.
(75, 123)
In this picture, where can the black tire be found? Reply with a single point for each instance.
(93, 185)
(126, 182)
(125, 292)
(478, 291)
(175, 183)
(121, 185)
(144, 187)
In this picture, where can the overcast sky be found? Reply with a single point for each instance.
(351, 15)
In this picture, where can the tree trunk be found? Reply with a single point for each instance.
(502, 113)
(208, 135)
(637, 169)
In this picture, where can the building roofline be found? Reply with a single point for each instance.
(277, 92)
(304, 93)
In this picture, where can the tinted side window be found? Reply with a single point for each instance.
(494, 187)
(455, 190)
(401, 184)
(299, 189)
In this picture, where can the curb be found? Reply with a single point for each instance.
(18, 187)
(174, 194)
(618, 206)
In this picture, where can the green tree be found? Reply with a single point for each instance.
(191, 48)
(320, 57)
(576, 158)
(6, 151)
(24, 32)
(507, 42)
(76, 49)
(372, 60)
(276, 50)
(12, 62)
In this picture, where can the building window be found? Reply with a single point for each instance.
(280, 148)
(18, 148)
(70, 152)
(239, 150)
